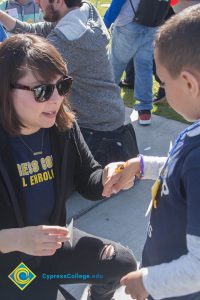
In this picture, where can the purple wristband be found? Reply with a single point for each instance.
(141, 165)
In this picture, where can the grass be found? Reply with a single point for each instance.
(161, 109)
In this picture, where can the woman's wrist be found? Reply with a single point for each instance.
(9, 239)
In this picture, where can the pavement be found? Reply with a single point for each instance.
(122, 217)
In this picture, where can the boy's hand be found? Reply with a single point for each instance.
(112, 172)
(116, 181)
(134, 285)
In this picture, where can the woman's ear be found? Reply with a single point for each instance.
(191, 83)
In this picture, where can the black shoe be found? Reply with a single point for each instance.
(127, 84)
(159, 96)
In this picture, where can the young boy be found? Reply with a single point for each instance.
(171, 255)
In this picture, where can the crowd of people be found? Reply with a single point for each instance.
(62, 129)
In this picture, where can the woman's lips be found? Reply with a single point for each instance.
(50, 114)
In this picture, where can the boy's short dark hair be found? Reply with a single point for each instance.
(178, 41)
(73, 3)
(22, 53)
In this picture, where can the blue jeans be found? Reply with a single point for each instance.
(135, 41)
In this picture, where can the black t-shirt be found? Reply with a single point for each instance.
(37, 176)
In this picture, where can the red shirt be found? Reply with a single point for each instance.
(173, 2)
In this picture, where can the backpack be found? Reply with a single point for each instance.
(120, 148)
(151, 13)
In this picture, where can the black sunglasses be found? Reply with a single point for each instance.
(44, 92)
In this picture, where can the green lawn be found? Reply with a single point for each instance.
(162, 109)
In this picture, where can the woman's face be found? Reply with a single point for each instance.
(35, 115)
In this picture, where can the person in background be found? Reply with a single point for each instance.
(23, 10)
(109, 17)
(171, 255)
(132, 40)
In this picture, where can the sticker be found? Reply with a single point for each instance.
(13, 12)
(154, 191)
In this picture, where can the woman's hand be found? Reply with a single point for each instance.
(115, 181)
(39, 240)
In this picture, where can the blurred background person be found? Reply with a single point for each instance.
(23, 10)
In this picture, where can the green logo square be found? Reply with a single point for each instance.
(22, 276)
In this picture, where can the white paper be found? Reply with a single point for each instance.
(70, 229)
(12, 12)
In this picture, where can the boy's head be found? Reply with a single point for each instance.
(177, 59)
(178, 41)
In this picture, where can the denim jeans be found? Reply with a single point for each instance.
(135, 41)
(83, 258)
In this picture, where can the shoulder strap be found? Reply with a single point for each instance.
(6, 5)
(132, 7)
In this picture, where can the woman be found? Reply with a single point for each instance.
(42, 158)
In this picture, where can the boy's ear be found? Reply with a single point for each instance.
(191, 83)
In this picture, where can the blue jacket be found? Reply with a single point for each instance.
(113, 12)
(3, 34)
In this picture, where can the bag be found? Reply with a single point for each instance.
(151, 13)
(120, 147)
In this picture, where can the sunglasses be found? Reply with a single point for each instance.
(44, 92)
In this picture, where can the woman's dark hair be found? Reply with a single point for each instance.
(18, 55)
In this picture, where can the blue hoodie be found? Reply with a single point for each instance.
(3, 34)
(113, 12)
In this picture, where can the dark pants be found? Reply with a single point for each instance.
(110, 146)
(83, 259)
(130, 72)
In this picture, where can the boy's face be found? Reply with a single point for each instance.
(178, 92)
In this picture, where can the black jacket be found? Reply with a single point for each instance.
(74, 168)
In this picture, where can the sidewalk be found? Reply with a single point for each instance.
(122, 218)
